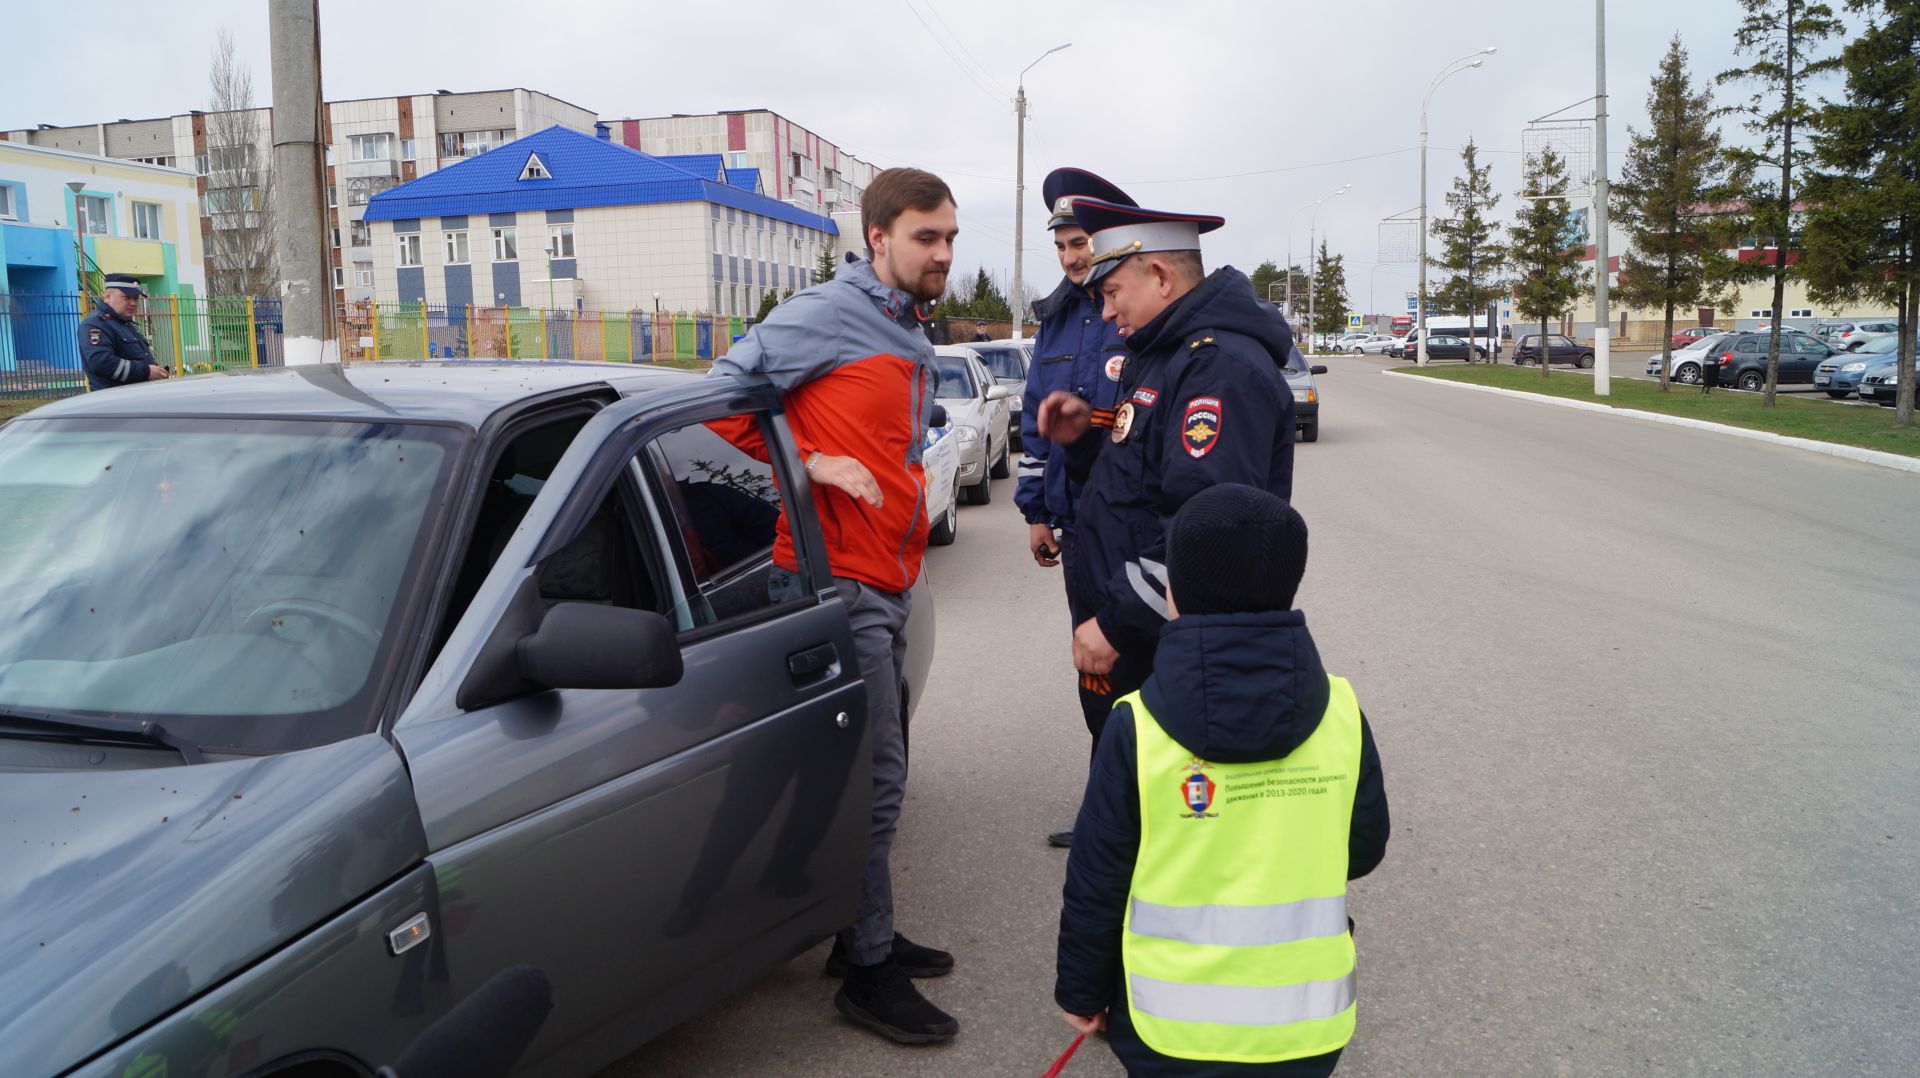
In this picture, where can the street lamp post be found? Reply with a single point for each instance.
(1020, 188)
(1471, 60)
(1602, 331)
(1291, 222)
(79, 237)
(1313, 228)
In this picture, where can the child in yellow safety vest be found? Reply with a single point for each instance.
(1204, 920)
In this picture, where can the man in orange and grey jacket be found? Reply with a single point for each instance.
(855, 372)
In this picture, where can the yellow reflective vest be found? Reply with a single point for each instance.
(1235, 944)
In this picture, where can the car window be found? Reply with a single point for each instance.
(1562, 342)
(1748, 345)
(1004, 362)
(243, 576)
(956, 381)
(720, 508)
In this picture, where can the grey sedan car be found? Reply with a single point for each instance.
(326, 694)
(1008, 361)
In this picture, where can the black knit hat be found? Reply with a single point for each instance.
(1235, 549)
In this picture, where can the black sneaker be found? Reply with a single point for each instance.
(1062, 838)
(913, 959)
(881, 998)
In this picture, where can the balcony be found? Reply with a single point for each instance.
(360, 254)
(382, 167)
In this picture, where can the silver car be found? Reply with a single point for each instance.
(326, 694)
(1008, 362)
(977, 411)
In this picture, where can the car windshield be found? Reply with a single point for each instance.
(955, 382)
(240, 575)
(1004, 362)
(1707, 343)
(1881, 346)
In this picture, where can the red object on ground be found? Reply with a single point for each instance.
(1061, 1063)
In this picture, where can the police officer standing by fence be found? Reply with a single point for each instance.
(111, 347)
(1078, 352)
(1202, 402)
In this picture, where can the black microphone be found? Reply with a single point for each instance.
(484, 1034)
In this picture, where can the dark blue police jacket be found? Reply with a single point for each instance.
(1074, 352)
(1208, 405)
(112, 350)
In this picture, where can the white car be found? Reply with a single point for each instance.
(1862, 333)
(1351, 342)
(940, 458)
(1687, 362)
(977, 410)
(1376, 344)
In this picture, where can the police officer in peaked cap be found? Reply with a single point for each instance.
(1077, 352)
(1201, 401)
(111, 347)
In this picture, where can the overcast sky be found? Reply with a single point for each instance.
(1251, 110)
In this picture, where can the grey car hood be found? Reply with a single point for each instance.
(970, 411)
(125, 893)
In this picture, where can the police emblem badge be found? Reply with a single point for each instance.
(1122, 421)
(1201, 427)
(1115, 365)
(1196, 792)
(93, 336)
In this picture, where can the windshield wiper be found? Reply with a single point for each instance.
(124, 731)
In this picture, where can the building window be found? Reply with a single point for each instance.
(360, 234)
(795, 158)
(339, 277)
(146, 220)
(163, 162)
(6, 201)
(336, 237)
(407, 249)
(370, 147)
(363, 278)
(561, 243)
(506, 245)
(737, 159)
(409, 149)
(457, 248)
(94, 214)
(719, 238)
(333, 196)
(470, 143)
(1804, 312)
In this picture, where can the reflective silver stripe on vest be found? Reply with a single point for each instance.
(1237, 1005)
(1242, 926)
(1147, 593)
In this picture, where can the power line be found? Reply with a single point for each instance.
(963, 69)
(956, 40)
(1272, 171)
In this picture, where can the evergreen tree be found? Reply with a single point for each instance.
(1779, 36)
(1863, 224)
(768, 302)
(987, 301)
(1470, 248)
(1268, 278)
(1546, 263)
(1671, 200)
(824, 268)
(1330, 292)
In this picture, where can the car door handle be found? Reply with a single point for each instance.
(811, 664)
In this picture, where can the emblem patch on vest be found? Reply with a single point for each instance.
(1201, 428)
(1196, 792)
(1115, 365)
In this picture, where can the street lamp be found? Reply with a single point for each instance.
(1471, 60)
(1313, 228)
(79, 240)
(1290, 223)
(1020, 185)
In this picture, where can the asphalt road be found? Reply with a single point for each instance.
(1645, 701)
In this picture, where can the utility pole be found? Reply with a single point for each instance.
(299, 222)
(1018, 300)
(1602, 360)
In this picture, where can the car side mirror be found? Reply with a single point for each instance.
(939, 416)
(589, 646)
(1317, 368)
(999, 393)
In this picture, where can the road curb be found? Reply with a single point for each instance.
(1895, 461)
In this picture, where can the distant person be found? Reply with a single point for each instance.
(111, 347)
(854, 369)
(980, 333)
(1204, 920)
(1078, 352)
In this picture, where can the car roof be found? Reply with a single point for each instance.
(456, 391)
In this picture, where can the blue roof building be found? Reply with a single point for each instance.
(566, 219)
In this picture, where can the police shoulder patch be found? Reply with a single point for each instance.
(93, 336)
(1200, 429)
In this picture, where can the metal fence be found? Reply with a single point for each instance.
(416, 331)
(40, 335)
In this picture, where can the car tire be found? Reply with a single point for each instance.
(1687, 374)
(1586, 361)
(1751, 381)
(1839, 394)
(943, 531)
(1002, 467)
(980, 493)
(1310, 432)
